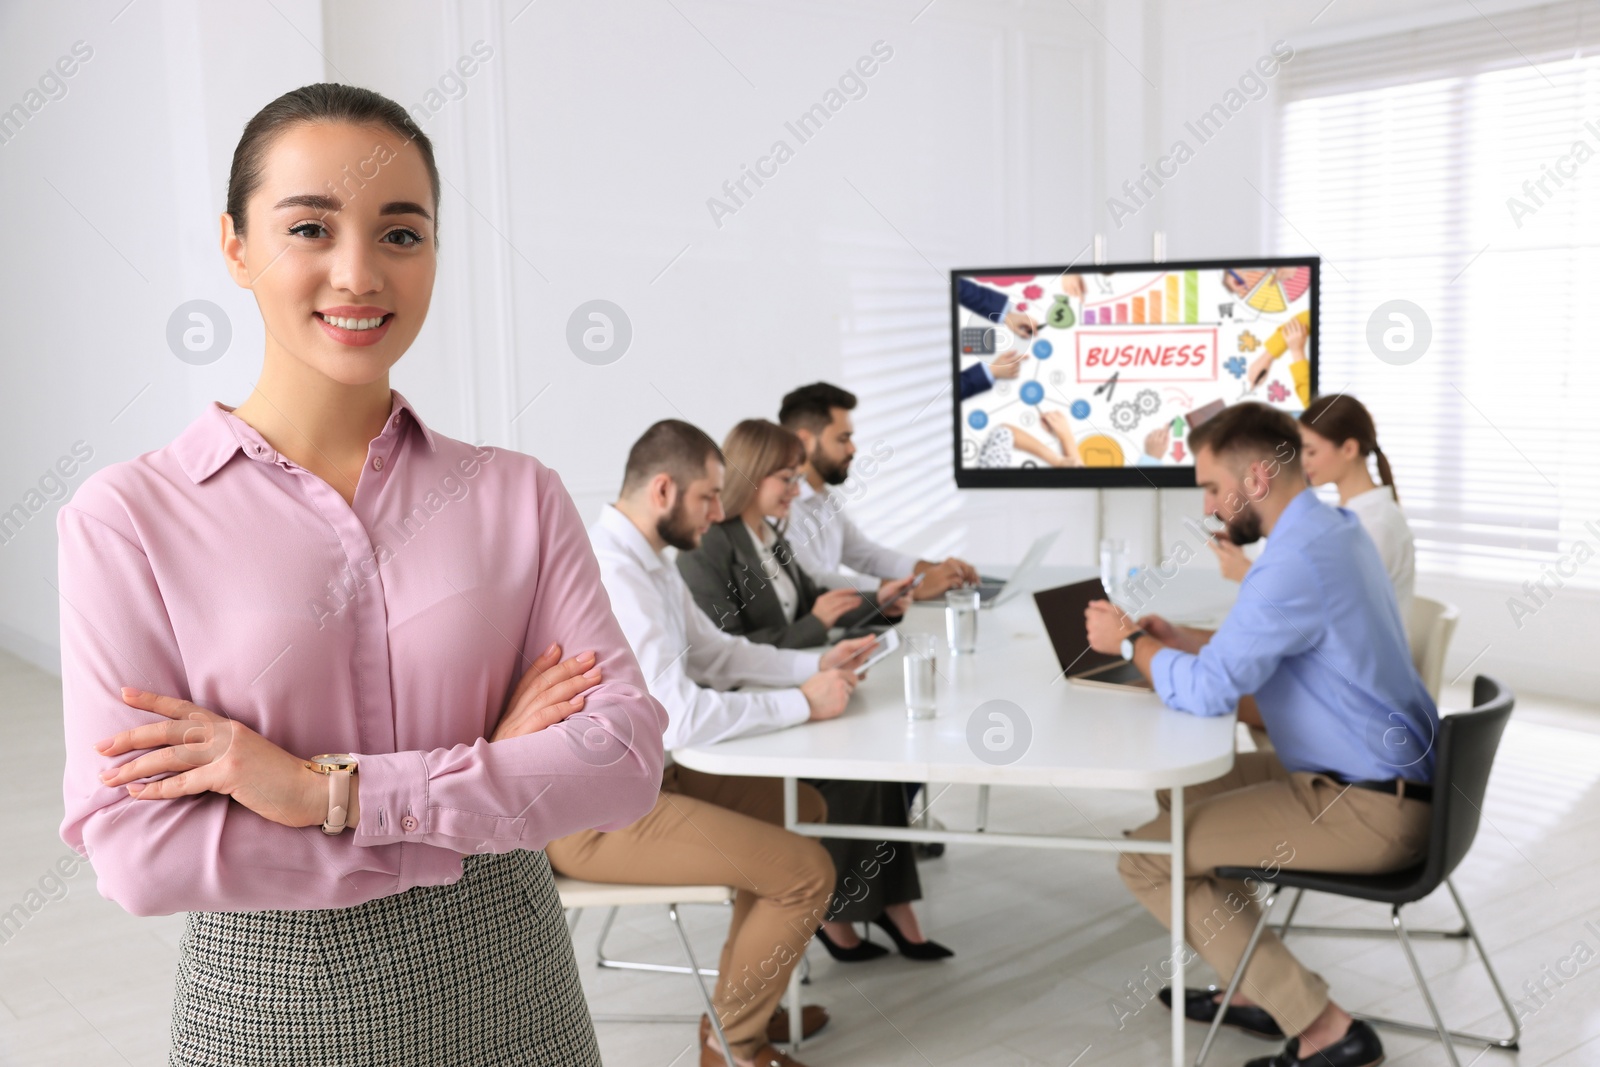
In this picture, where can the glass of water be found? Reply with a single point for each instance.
(1113, 566)
(920, 663)
(961, 620)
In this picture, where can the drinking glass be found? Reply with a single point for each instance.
(1113, 565)
(920, 663)
(961, 620)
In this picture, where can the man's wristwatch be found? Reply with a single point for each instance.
(1128, 643)
(339, 769)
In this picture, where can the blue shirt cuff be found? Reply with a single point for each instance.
(1161, 673)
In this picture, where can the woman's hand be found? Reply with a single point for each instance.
(894, 597)
(549, 691)
(1294, 338)
(206, 752)
(832, 606)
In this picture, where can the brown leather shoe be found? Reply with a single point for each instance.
(813, 1017)
(765, 1056)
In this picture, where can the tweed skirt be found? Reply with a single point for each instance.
(477, 972)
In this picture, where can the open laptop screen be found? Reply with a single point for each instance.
(1062, 610)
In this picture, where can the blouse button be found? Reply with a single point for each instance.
(409, 824)
(377, 463)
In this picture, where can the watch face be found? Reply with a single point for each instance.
(334, 763)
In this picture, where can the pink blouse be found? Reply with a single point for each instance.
(394, 628)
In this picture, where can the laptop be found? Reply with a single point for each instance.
(1062, 610)
(994, 591)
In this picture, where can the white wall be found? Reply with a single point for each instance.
(579, 158)
(113, 192)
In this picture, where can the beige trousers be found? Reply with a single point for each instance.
(1261, 815)
(709, 829)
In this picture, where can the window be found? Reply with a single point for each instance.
(1458, 168)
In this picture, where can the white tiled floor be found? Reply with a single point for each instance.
(1044, 940)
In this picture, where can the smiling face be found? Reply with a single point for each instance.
(338, 248)
(777, 491)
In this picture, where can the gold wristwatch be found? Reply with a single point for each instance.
(339, 769)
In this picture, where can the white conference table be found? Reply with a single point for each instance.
(1080, 737)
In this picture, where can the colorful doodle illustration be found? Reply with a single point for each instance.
(1060, 314)
(1125, 416)
(1092, 361)
(1269, 291)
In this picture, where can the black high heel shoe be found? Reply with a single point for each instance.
(866, 950)
(912, 950)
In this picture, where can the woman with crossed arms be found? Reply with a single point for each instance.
(350, 729)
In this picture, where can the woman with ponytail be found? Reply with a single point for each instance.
(311, 659)
(1337, 435)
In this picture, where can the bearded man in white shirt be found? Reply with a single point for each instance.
(706, 828)
(824, 539)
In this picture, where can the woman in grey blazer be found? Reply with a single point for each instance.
(736, 582)
(745, 577)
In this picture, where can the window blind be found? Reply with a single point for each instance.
(1458, 168)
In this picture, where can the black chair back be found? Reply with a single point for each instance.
(1467, 743)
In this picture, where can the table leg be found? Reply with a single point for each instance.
(1178, 917)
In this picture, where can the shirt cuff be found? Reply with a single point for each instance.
(987, 373)
(805, 665)
(394, 797)
(1161, 665)
(793, 707)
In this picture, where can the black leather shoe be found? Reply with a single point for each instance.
(1359, 1047)
(1200, 1006)
(857, 953)
(912, 950)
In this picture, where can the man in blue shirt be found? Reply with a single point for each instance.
(1316, 636)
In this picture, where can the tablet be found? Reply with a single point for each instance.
(887, 643)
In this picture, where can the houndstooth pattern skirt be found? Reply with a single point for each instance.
(479, 972)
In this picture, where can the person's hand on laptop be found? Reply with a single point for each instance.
(1159, 628)
(1107, 625)
(1182, 638)
(942, 577)
(848, 655)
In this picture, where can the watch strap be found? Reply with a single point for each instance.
(338, 770)
(338, 801)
